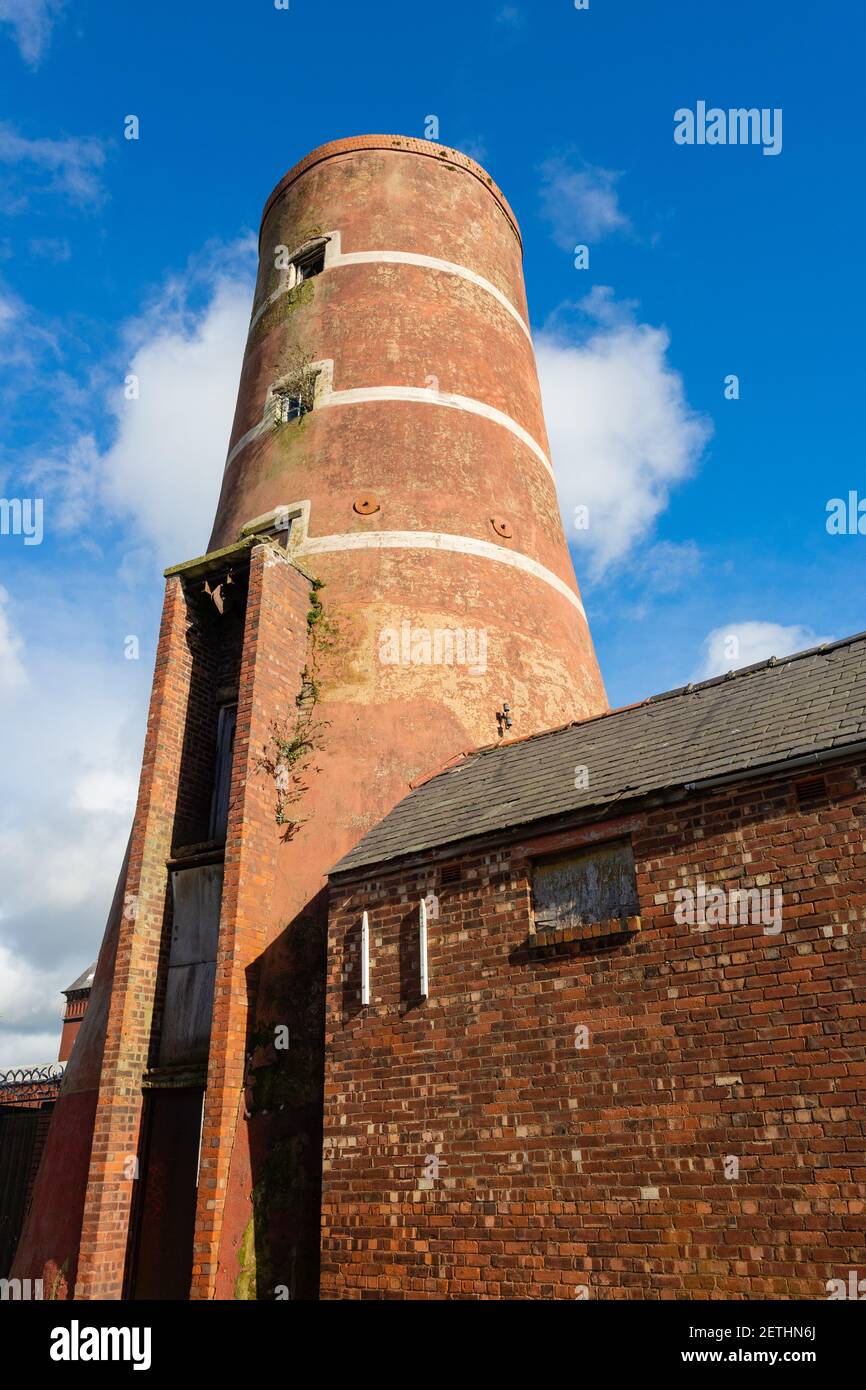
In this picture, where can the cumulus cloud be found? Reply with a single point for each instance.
(31, 1005)
(68, 168)
(29, 1049)
(67, 783)
(105, 789)
(621, 430)
(163, 469)
(31, 22)
(20, 990)
(741, 644)
(580, 201)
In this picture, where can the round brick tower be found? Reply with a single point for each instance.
(387, 573)
(424, 459)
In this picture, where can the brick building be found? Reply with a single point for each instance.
(27, 1099)
(387, 582)
(639, 1068)
(77, 997)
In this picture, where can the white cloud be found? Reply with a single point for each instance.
(666, 566)
(163, 471)
(26, 341)
(70, 762)
(72, 475)
(580, 201)
(29, 1049)
(13, 676)
(67, 168)
(31, 1010)
(165, 466)
(105, 790)
(742, 644)
(20, 989)
(31, 22)
(622, 433)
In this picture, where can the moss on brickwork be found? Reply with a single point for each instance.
(280, 1189)
(245, 1284)
(59, 1278)
(283, 1083)
(283, 308)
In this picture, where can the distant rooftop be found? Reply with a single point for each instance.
(801, 707)
(84, 980)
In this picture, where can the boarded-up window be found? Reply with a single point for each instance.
(225, 742)
(592, 885)
(197, 895)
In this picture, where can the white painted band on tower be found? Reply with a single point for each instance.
(424, 395)
(429, 396)
(335, 258)
(438, 540)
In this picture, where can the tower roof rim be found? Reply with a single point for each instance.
(403, 144)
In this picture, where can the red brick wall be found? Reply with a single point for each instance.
(274, 655)
(600, 1172)
(73, 1015)
(118, 1117)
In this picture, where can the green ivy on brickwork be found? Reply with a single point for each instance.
(288, 756)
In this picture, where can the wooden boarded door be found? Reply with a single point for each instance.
(164, 1222)
(17, 1140)
(197, 897)
(166, 1215)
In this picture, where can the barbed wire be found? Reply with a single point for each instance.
(26, 1076)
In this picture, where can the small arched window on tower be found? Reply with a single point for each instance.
(311, 262)
(307, 261)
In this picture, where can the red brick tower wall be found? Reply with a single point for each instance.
(432, 407)
(76, 1007)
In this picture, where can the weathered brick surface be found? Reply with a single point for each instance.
(142, 931)
(74, 1012)
(602, 1169)
(274, 655)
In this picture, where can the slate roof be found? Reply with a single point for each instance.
(767, 714)
(84, 980)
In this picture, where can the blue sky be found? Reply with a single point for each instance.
(707, 514)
